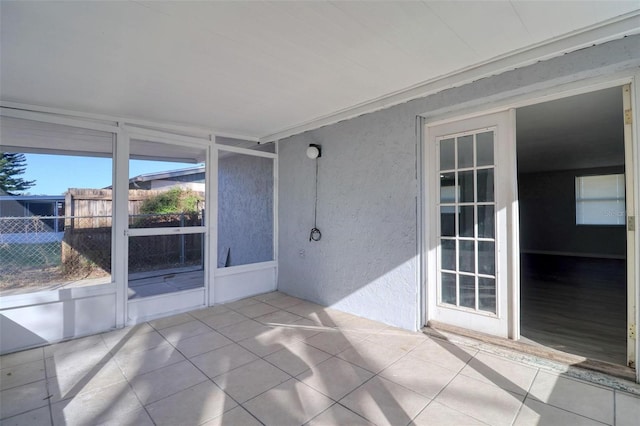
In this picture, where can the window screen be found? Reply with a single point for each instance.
(57, 235)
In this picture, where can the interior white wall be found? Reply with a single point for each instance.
(368, 259)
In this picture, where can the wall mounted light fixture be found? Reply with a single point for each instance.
(314, 151)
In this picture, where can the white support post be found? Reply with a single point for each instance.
(212, 220)
(275, 209)
(120, 211)
(513, 227)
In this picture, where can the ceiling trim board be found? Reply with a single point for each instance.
(624, 25)
(245, 151)
(149, 135)
(177, 129)
(57, 119)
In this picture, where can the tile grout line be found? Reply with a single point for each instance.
(335, 402)
(128, 382)
(45, 379)
(379, 377)
(448, 383)
(408, 388)
(341, 405)
(583, 383)
(291, 377)
(238, 404)
(561, 408)
(574, 413)
(23, 384)
(525, 397)
(68, 400)
(195, 366)
(614, 408)
(374, 374)
(46, 386)
(148, 349)
(262, 393)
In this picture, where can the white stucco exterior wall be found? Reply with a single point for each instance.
(367, 262)
(366, 212)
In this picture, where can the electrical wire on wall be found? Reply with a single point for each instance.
(314, 152)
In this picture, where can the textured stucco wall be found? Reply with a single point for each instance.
(367, 261)
(245, 209)
(366, 212)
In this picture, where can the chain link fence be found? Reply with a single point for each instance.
(41, 251)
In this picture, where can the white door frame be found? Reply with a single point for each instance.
(143, 309)
(503, 323)
(237, 282)
(635, 132)
(525, 97)
(631, 177)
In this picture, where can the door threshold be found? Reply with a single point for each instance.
(600, 372)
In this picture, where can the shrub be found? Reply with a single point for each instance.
(175, 200)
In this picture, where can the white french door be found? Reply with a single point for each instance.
(471, 194)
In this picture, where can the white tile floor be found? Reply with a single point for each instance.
(277, 360)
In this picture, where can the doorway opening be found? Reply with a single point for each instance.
(572, 230)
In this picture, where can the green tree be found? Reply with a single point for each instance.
(11, 166)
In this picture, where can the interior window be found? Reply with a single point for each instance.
(600, 200)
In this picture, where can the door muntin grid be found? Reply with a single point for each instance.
(467, 218)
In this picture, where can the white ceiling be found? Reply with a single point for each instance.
(259, 68)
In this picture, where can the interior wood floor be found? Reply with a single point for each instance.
(575, 304)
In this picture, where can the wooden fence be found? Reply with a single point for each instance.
(86, 245)
(97, 203)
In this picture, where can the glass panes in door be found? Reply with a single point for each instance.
(467, 240)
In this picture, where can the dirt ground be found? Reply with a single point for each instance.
(36, 279)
